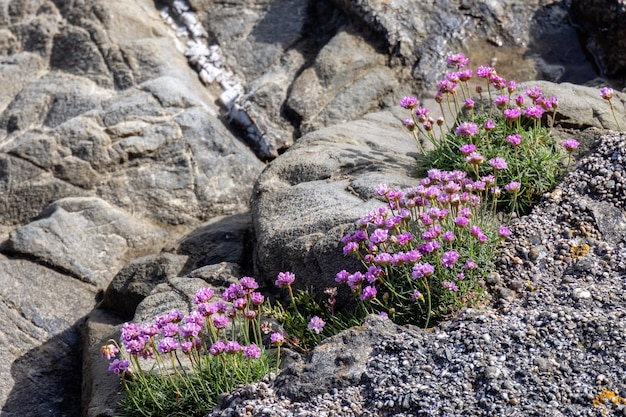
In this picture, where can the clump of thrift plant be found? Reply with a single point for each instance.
(179, 364)
(507, 127)
(426, 252)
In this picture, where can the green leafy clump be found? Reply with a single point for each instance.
(178, 365)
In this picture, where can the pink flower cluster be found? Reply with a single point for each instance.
(173, 331)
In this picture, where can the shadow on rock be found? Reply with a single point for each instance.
(47, 379)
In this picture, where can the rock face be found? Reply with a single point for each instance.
(110, 149)
(306, 200)
(603, 23)
(127, 183)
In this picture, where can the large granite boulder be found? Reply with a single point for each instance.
(307, 199)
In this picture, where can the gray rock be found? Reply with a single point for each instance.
(222, 239)
(347, 79)
(338, 362)
(307, 199)
(495, 32)
(101, 389)
(581, 107)
(137, 280)
(121, 117)
(603, 23)
(63, 237)
(41, 317)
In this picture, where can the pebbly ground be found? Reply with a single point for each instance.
(551, 341)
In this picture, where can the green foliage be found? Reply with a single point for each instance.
(193, 394)
(537, 163)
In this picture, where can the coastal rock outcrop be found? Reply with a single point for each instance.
(126, 183)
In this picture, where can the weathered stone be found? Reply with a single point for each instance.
(307, 199)
(340, 361)
(41, 317)
(63, 238)
(222, 239)
(603, 22)
(137, 280)
(101, 389)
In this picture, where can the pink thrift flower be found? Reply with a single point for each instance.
(490, 125)
(534, 112)
(316, 324)
(203, 295)
(458, 60)
(450, 286)
(369, 293)
(252, 351)
(474, 158)
(217, 348)
(277, 339)
(501, 101)
(498, 163)
(109, 351)
(515, 139)
(257, 298)
(570, 144)
(606, 93)
(285, 279)
(449, 258)
(534, 93)
(512, 114)
(513, 186)
(119, 366)
(467, 129)
(504, 232)
(409, 102)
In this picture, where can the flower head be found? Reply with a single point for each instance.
(416, 296)
(449, 258)
(368, 293)
(467, 129)
(248, 284)
(490, 125)
(232, 347)
(167, 344)
(108, 351)
(498, 163)
(606, 93)
(409, 102)
(217, 348)
(512, 114)
(458, 60)
(257, 298)
(534, 112)
(474, 158)
(316, 324)
(513, 186)
(203, 295)
(515, 140)
(252, 351)
(119, 366)
(571, 144)
(504, 232)
(285, 279)
(277, 338)
(450, 286)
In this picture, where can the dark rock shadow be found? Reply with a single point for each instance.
(557, 47)
(48, 378)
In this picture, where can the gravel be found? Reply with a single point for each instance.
(551, 341)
